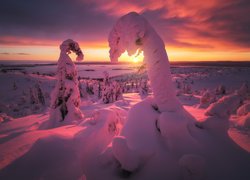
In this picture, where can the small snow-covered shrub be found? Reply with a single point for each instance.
(244, 121)
(33, 99)
(109, 121)
(39, 94)
(206, 99)
(225, 106)
(111, 91)
(14, 87)
(243, 91)
(186, 89)
(5, 118)
(144, 89)
(244, 109)
(220, 90)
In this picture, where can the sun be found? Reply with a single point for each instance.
(137, 57)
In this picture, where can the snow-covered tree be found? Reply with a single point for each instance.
(225, 106)
(220, 90)
(134, 34)
(33, 99)
(161, 127)
(244, 109)
(80, 87)
(4, 118)
(206, 99)
(243, 91)
(14, 87)
(107, 91)
(111, 91)
(89, 88)
(99, 90)
(65, 98)
(40, 95)
(144, 89)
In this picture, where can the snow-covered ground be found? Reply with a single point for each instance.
(31, 150)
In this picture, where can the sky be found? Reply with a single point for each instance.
(207, 30)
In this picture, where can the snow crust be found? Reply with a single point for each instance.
(84, 150)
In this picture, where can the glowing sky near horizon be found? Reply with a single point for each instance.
(207, 30)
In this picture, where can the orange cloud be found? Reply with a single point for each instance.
(192, 30)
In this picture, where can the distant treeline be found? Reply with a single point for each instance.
(13, 63)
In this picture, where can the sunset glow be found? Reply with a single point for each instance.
(124, 89)
(191, 30)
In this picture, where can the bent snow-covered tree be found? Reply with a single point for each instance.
(65, 98)
(132, 33)
(149, 130)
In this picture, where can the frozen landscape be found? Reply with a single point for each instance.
(125, 121)
(28, 150)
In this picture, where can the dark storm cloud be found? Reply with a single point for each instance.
(53, 19)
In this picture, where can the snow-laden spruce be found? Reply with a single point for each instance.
(134, 34)
(159, 127)
(111, 90)
(65, 98)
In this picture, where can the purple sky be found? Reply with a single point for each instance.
(206, 26)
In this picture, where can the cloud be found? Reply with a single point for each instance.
(23, 54)
(230, 22)
(57, 19)
(208, 24)
(20, 53)
(5, 53)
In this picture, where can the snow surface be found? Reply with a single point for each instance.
(28, 151)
